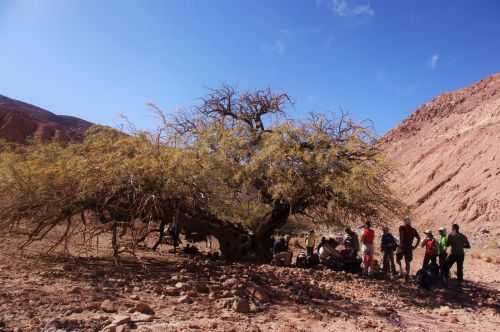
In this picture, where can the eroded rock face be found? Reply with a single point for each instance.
(445, 156)
(20, 121)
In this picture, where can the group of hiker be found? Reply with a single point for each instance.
(436, 264)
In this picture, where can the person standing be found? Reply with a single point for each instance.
(431, 249)
(442, 244)
(458, 242)
(351, 237)
(367, 239)
(407, 235)
(388, 245)
(310, 243)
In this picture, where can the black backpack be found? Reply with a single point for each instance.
(428, 276)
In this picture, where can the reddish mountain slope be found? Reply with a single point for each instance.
(20, 121)
(447, 155)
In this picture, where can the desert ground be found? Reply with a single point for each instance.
(160, 291)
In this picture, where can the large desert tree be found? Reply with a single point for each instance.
(234, 167)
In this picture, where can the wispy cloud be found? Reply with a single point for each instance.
(347, 8)
(434, 61)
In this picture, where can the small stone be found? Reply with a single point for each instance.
(120, 319)
(108, 306)
(76, 290)
(171, 291)
(230, 283)
(144, 308)
(137, 317)
(134, 297)
(241, 305)
(122, 328)
(179, 285)
(184, 299)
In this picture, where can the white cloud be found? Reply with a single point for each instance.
(363, 10)
(434, 60)
(345, 8)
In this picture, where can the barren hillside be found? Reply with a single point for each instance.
(447, 157)
(20, 121)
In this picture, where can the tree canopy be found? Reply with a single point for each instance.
(234, 167)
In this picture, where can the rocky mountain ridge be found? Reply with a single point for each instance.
(21, 121)
(445, 155)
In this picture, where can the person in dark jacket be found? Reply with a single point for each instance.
(388, 245)
(458, 242)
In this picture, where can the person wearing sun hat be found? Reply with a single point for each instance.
(431, 249)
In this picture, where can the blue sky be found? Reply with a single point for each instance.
(376, 59)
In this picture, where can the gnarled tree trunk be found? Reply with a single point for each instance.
(237, 243)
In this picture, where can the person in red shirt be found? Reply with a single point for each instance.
(367, 239)
(407, 235)
(431, 249)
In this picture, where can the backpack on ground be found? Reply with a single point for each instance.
(428, 276)
(313, 260)
(301, 260)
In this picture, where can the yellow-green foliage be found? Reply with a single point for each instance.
(232, 170)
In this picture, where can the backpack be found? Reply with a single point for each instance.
(301, 260)
(312, 260)
(428, 276)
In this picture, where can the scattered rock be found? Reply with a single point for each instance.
(230, 283)
(122, 328)
(185, 299)
(138, 317)
(76, 290)
(120, 319)
(241, 305)
(108, 306)
(144, 308)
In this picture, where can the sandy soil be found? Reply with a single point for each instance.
(179, 293)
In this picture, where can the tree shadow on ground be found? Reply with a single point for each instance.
(153, 273)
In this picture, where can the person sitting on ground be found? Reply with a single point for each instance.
(367, 239)
(388, 246)
(279, 245)
(191, 250)
(458, 242)
(407, 235)
(431, 249)
(310, 242)
(320, 244)
(328, 253)
(351, 237)
(442, 244)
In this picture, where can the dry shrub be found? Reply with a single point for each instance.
(488, 259)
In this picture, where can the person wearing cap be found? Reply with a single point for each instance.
(431, 249)
(442, 244)
(388, 245)
(367, 238)
(310, 242)
(407, 235)
(458, 242)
